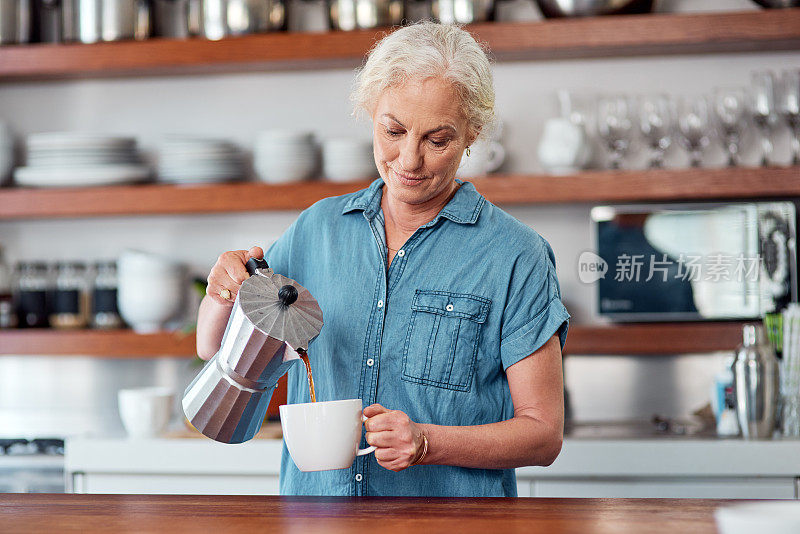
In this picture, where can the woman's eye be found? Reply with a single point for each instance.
(393, 133)
(439, 143)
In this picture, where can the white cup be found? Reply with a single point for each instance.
(323, 435)
(484, 157)
(145, 412)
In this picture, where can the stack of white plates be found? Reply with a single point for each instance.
(196, 160)
(6, 153)
(282, 156)
(80, 159)
(347, 159)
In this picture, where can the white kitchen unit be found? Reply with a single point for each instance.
(666, 467)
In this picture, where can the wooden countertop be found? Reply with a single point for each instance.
(30, 513)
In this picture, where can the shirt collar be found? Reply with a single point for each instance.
(463, 208)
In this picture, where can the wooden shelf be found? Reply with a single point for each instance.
(641, 338)
(628, 35)
(588, 187)
(654, 338)
(108, 344)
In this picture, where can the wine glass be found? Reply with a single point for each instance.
(762, 108)
(693, 126)
(615, 126)
(656, 122)
(788, 97)
(729, 109)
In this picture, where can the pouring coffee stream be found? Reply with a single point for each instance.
(272, 322)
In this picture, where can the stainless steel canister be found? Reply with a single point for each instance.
(15, 24)
(217, 19)
(171, 18)
(46, 21)
(462, 11)
(755, 374)
(363, 14)
(90, 21)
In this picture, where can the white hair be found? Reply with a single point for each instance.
(425, 50)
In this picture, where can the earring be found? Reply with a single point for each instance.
(467, 151)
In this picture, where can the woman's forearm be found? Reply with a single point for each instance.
(212, 318)
(520, 441)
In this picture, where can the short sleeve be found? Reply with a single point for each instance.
(534, 311)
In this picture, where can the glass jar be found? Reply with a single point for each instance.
(70, 305)
(104, 296)
(32, 285)
(8, 317)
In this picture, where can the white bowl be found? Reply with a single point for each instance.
(145, 412)
(284, 137)
(149, 302)
(138, 261)
(772, 517)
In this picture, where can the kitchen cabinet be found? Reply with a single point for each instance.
(680, 487)
(633, 468)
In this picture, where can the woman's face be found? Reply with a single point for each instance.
(419, 134)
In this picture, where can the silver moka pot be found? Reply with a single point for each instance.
(755, 374)
(273, 320)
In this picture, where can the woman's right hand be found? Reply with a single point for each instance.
(228, 273)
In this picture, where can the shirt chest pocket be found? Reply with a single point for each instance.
(442, 341)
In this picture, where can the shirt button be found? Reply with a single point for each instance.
(370, 362)
(449, 307)
(401, 253)
(358, 477)
(380, 304)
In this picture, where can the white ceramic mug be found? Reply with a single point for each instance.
(484, 157)
(145, 412)
(323, 435)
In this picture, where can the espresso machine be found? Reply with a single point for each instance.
(272, 322)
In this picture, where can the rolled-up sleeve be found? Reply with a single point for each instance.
(534, 311)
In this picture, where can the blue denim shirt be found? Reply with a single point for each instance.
(470, 293)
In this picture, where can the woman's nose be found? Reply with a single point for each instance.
(410, 155)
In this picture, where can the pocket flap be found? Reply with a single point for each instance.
(449, 304)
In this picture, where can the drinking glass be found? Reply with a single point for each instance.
(788, 106)
(656, 122)
(693, 126)
(729, 110)
(762, 109)
(615, 126)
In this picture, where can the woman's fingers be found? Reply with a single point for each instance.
(228, 274)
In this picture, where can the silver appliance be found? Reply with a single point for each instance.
(32, 465)
(755, 379)
(693, 261)
(272, 321)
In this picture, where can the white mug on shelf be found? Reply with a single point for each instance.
(323, 435)
(485, 156)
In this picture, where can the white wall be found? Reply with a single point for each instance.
(239, 105)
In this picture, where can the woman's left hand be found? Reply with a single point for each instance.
(398, 439)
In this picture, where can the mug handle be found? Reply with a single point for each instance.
(371, 448)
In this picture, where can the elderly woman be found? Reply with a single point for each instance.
(442, 312)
